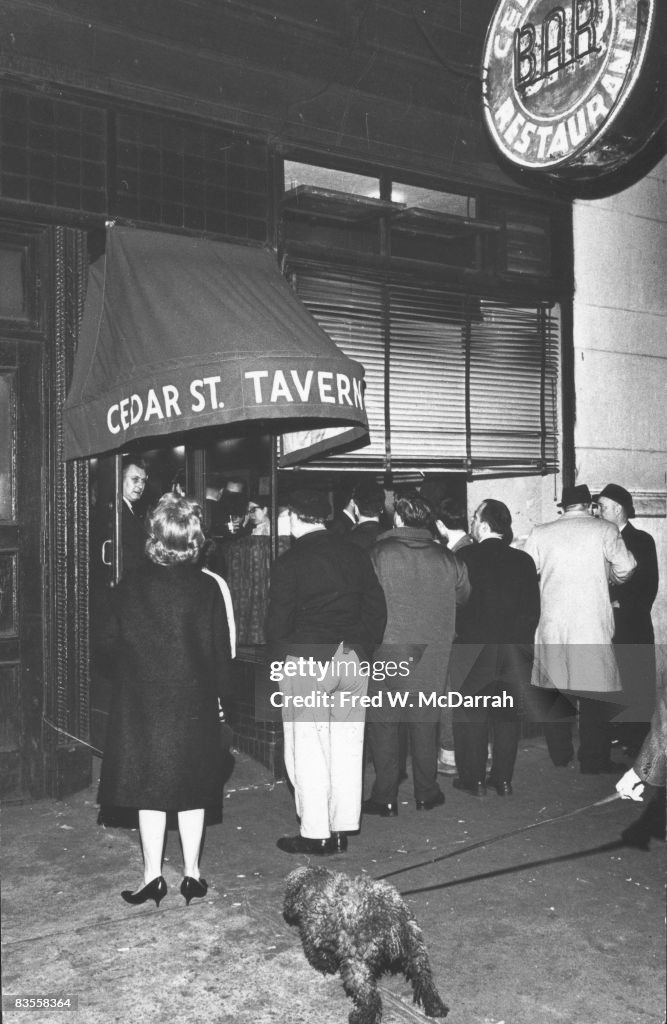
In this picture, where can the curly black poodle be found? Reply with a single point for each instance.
(363, 929)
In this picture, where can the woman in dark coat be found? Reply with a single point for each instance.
(169, 638)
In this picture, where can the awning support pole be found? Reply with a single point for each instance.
(275, 441)
(199, 477)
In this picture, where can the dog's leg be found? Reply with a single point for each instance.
(361, 986)
(418, 972)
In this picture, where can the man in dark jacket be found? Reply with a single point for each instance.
(344, 517)
(326, 614)
(423, 584)
(133, 527)
(493, 654)
(633, 629)
(369, 499)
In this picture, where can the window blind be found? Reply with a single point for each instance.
(452, 380)
(513, 388)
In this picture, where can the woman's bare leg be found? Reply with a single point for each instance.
(191, 830)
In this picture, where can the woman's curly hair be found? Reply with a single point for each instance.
(175, 533)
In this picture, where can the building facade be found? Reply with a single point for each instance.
(348, 139)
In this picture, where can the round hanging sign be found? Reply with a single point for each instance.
(560, 81)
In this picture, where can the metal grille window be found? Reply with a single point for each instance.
(453, 381)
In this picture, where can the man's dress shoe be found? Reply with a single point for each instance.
(428, 805)
(338, 842)
(472, 788)
(335, 843)
(382, 810)
(503, 788)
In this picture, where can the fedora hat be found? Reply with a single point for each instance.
(578, 495)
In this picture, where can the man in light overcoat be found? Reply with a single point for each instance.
(577, 556)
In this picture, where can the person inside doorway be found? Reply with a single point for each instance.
(257, 518)
(133, 527)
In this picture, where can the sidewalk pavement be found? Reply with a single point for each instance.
(560, 924)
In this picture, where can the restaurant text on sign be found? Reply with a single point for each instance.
(555, 76)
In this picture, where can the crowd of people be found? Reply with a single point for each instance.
(416, 634)
(500, 633)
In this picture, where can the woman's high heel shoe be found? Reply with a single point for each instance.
(193, 888)
(155, 890)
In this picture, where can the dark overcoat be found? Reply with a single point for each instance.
(504, 606)
(168, 641)
(634, 599)
(365, 534)
(496, 628)
(633, 629)
(134, 537)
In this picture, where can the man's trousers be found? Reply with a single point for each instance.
(324, 744)
(492, 671)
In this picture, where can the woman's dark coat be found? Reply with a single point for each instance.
(168, 638)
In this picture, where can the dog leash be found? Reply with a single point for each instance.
(497, 839)
(70, 736)
(400, 1007)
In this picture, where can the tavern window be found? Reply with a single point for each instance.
(444, 308)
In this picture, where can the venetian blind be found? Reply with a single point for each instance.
(452, 380)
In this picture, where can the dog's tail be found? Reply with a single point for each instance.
(419, 974)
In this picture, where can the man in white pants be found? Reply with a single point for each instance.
(327, 613)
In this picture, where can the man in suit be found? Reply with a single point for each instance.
(326, 614)
(132, 546)
(369, 500)
(344, 518)
(133, 528)
(633, 629)
(493, 653)
(451, 523)
(577, 556)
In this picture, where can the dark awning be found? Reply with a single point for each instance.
(181, 333)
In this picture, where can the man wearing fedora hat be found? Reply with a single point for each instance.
(576, 557)
(633, 629)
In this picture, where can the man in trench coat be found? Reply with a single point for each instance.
(577, 556)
